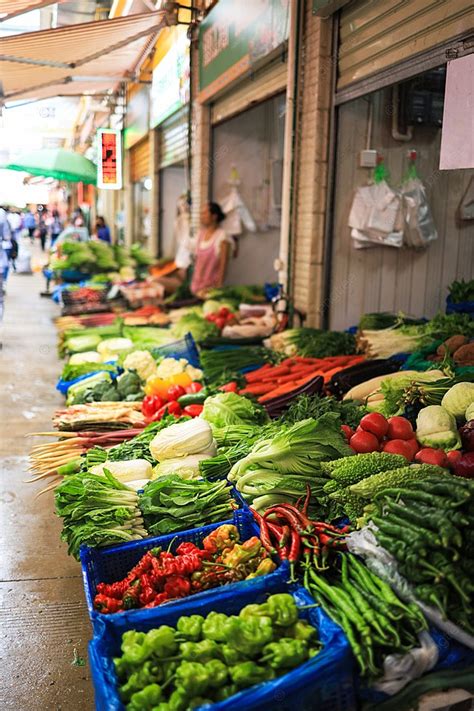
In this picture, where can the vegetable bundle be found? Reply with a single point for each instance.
(170, 504)
(160, 576)
(206, 660)
(314, 343)
(427, 526)
(224, 364)
(376, 622)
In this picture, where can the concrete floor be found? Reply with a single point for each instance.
(43, 617)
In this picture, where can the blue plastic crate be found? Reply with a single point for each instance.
(184, 348)
(325, 683)
(465, 307)
(112, 563)
(64, 385)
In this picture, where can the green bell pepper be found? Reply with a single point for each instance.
(286, 653)
(190, 627)
(178, 700)
(218, 673)
(213, 626)
(193, 678)
(162, 641)
(231, 656)
(301, 630)
(133, 647)
(248, 636)
(225, 692)
(282, 610)
(201, 651)
(248, 673)
(146, 699)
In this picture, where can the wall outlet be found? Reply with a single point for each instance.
(368, 158)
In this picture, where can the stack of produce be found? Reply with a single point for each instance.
(96, 257)
(207, 660)
(160, 576)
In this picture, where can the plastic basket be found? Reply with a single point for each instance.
(184, 348)
(112, 563)
(465, 307)
(64, 385)
(324, 683)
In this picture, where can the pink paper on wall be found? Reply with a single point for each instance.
(457, 139)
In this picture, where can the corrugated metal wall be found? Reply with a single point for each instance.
(378, 34)
(140, 160)
(174, 138)
(386, 279)
(266, 83)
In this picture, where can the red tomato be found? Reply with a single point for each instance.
(175, 391)
(170, 408)
(195, 387)
(220, 322)
(231, 387)
(348, 431)
(413, 445)
(364, 442)
(453, 457)
(428, 455)
(150, 404)
(399, 428)
(399, 446)
(193, 410)
(224, 311)
(375, 423)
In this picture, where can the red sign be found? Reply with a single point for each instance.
(109, 174)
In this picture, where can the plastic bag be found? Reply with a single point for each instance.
(376, 216)
(400, 669)
(419, 227)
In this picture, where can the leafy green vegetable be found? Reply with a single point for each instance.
(144, 337)
(314, 406)
(97, 511)
(82, 342)
(127, 387)
(232, 409)
(172, 504)
(225, 364)
(443, 326)
(71, 372)
(315, 343)
(199, 327)
(461, 291)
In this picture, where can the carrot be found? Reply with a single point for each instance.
(298, 375)
(254, 376)
(280, 390)
(328, 375)
(257, 389)
(309, 361)
(271, 376)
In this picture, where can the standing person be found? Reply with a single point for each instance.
(5, 244)
(55, 227)
(73, 232)
(30, 224)
(42, 231)
(102, 231)
(212, 251)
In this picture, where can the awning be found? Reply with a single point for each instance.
(76, 59)
(12, 8)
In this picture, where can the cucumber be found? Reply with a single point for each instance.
(193, 398)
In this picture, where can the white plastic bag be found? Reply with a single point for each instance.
(376, 216)
(419, 228)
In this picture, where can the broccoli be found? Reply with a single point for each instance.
(129, 384)
(352, 469)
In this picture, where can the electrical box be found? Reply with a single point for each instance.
(368, 158)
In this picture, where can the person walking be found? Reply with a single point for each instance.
(42, 231)
(5, 244)
(212, 251)
(102, 231)
(29, 222)
(55, 227)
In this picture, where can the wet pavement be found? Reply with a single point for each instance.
(44, 625)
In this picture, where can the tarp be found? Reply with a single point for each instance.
(12, 8)
(85, 58)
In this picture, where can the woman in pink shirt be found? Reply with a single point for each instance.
(212, 251)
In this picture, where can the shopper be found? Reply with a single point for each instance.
(212, 251)
(42, 231)
(102, 231)
(5, 243)
(29, 222)
(55, 227)
(73, 232)
(15, 222)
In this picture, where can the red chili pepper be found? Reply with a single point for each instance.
(177, 586)
(294, 553)
(175, 391)
(193, 410)
(264, 532)
(194, 387)
(115, 590)
(170, 408)
(187, 547)
(107, 605)
(159, 599)
(289, 516)
(284, 548)
(231, 387)
(151, 404)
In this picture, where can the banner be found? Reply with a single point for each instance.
(109, 154)
(170, 84)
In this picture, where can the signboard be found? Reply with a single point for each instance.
(170, 84)
(136, 118)
(109, 164)
(457, 138)
(235, 36)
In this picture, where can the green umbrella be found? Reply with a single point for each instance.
(56, 163)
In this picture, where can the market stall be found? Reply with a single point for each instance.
(264, 515)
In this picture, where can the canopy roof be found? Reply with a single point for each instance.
(12, 8)
(56, 163)
(75, 59)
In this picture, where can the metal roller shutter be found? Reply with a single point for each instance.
(384, 36)
(140, 160)
(266, 83)
(174, 139)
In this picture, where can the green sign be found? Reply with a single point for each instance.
(235, 36)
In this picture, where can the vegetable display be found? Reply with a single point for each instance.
(209, 659)
(160, 576)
